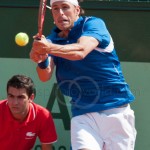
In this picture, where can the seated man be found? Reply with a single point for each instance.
(21, 120)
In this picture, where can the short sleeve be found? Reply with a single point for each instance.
(96, 28)
(47, 133)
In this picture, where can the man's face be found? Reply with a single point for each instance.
(65, 14)
(18, 101)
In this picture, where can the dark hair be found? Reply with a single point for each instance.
(82, 12)
(22, 81)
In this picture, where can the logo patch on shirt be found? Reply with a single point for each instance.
(30, 135)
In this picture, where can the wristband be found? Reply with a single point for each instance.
(44, 64)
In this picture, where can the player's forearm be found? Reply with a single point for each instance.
(46, 73)
(75, 51)
(70, 51)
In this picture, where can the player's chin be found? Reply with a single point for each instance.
(64, 27)
(15, 110)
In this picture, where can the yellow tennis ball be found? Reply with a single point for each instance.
(21, 39)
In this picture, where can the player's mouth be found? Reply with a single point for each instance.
(63, 21)
(15, 109)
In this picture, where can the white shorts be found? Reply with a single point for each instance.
(112, 129)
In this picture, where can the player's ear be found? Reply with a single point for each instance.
(78, 10)
(31, 98)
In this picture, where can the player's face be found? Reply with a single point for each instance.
(65, 14)
(18, 102)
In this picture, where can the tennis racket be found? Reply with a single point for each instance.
(41, 17)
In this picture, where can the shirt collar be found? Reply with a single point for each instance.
(77, 22)
(31, 115)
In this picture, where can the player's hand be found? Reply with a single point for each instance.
(40, 46)
(36, 57)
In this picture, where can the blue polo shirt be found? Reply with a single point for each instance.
(96, 82)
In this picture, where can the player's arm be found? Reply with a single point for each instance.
(46, 146)
(45, 74)
(77, 51)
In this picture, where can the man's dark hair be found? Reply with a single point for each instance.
(22, 81)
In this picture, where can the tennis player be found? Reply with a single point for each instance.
(89, 71)
(21, 120)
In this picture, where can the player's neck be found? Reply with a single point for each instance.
(64, 33)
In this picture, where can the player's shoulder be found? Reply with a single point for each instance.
(3, 102)
(93, 23)
(93, 18)
(41, 110)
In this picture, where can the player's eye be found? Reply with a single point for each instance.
(65, 7)
(21, 97)
(55, 8)
(10, 96)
